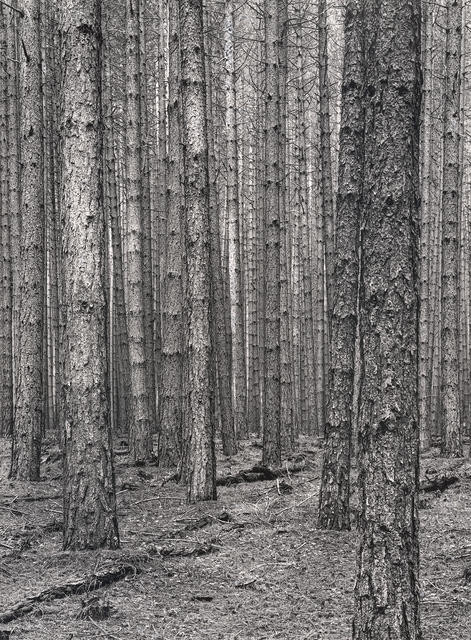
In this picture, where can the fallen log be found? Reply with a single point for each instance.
(56, 592)
(259, 473)
(439, 482)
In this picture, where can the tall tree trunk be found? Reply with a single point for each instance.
(334, 507)
(286, 376)
(89, 492)
(28, 419)
(425, 233)
(233, 212)
(170, 441)
(272, 386)
(201, 460)
(452, 437)
(387, 588)
(140, 440)
(9, 210)
(221, 344)
(327, 195)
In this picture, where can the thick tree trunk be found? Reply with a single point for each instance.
(334, 508)
(201, 461)
(28, 418)
(387, 588)
(89, 492)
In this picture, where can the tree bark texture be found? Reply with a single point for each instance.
(387, 589)
(89, 492)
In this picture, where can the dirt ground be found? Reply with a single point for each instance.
(264, 572)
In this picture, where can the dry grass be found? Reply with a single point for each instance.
(272, 575)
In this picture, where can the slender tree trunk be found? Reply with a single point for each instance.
(9, 210)
(89, 492)
(334, 507)
(272, 386)
(28, 419)
(233, 207)
(170, 442)
(223, 356)
(425, 234)
(140, 427)
(327, 195)
(201, 461)
(387, 588)
(452, 437)
(286, 377)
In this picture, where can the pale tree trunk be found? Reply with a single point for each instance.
(28, 419)
(171, 415)
(451, 419)
(201, 460)
(140, 440)
(334, 498)
(233, 212)
(387, 586)
(272, 386)
(89, 492)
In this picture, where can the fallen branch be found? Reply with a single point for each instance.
(82, 585)
(201, 523)
(185, 552)
(38, 498)
(259, 473)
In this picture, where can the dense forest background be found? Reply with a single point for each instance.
(236, 244)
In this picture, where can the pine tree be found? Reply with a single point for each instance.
(89, 492)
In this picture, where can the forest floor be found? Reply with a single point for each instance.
(257, 567)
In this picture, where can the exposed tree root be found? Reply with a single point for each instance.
(82, 585)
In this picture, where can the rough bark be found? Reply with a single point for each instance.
(201, 462)
(221, 344)
(387, 588)
(28, 417)
(171, 415)
(334, 508)
(272, 387)
(451, 418)
(89, 491)
(233, 212)
(140, 440)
